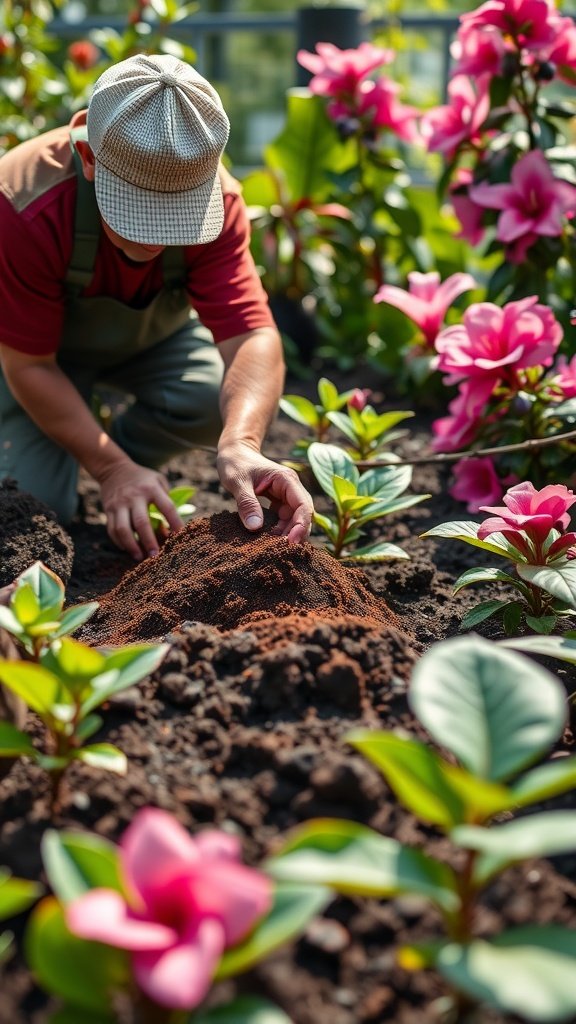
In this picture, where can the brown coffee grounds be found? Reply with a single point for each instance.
(30, 532)
(216, 572)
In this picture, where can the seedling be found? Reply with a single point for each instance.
(529, 530)
(369, 432)
(16, 895)
(181, 498)
(358, 499)
(64, 687)
(496, 714)
(35, 614)
(119, 910)
(315, 416)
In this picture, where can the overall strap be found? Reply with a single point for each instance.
(87, 229)
(86, 225)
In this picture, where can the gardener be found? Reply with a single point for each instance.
(124, 255)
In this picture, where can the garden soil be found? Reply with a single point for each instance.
(275, 653)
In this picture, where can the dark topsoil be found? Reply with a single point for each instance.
(275, 653)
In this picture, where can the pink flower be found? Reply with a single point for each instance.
(562, 52)
(457, 431)
(535, 202)
(337, 71)
(379, 100)
(476, 482)
(445, 128)
(470, 215)
(491, 341)
(426, 300)
(527, 22)
(533, 513)
(189, 899)
(564, 376)
(359, 398)
(478, 51)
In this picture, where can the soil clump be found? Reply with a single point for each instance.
(30, 532)
(218, 573)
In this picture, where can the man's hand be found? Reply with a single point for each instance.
(246, 473)
(126, 491)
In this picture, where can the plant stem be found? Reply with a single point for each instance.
(461, 930)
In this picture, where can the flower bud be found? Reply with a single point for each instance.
(359, 398)
(83, 54)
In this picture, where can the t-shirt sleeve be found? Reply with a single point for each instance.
(32, 267)
(223, 283)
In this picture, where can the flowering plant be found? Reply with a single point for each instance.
(530, 530)
(159, 918)
(509, 172)
(510, 392)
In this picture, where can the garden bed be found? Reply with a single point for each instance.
(275, 654)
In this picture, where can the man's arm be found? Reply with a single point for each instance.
(252, 386)
(56, 407)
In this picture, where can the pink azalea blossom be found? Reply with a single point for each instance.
(534, 514)
(492, 341)
(445, 128)
(379, 100)
(337, 72)
(478, 51)
(426, 300)
(564, 376)
(527, 22)
(189, 899)
(359, 398)
(535, 202)
(469, 213)
(562, 52)
(455, 432)
(476, 482)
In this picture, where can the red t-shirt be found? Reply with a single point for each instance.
(37, 206)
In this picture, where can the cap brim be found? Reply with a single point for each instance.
(160, 218)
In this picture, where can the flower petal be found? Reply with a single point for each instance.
(181, 976)
(104, 916)
(237, 895)
(154, 849)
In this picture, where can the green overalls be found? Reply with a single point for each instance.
(160, 355)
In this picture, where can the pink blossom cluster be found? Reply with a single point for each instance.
(527, 518)
(187, 899)
(343, 77)
(529, 43)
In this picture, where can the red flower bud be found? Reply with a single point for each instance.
(83, 54)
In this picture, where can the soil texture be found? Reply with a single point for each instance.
(274, 654)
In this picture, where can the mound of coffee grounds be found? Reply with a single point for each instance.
(216, 572)
(30, 532)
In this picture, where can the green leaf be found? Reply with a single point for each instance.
(34, 684)
(350, 506)
(74, 663)
(379, 426)
(344, 424)
(512, 617)
(244, 1010)
(328, 461)
(14, 742)
(25, 605)
(306, 148)
(328, 525)
(468, 532)
(329, 396)
(494, 710)
(124, 667)
(300, 409)
(75, 617)
(385, 483)
(480, 612)
(488, 575)
(103, 755)
(380, 551)
(431, 787)
(544, 781)
(84, 974)
(87, 727)
(16, 895)
(387, 508)
(343, 489)
(541, 624)
(550, 646)
(539, 835)
(9, 622)
(78, 861)
(527, 971)
(354, 860)
(559, 581)
(47, 587)
(6, 939)
(293, 907)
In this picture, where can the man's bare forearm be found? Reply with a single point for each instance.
(58, 409)
(252, 386)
